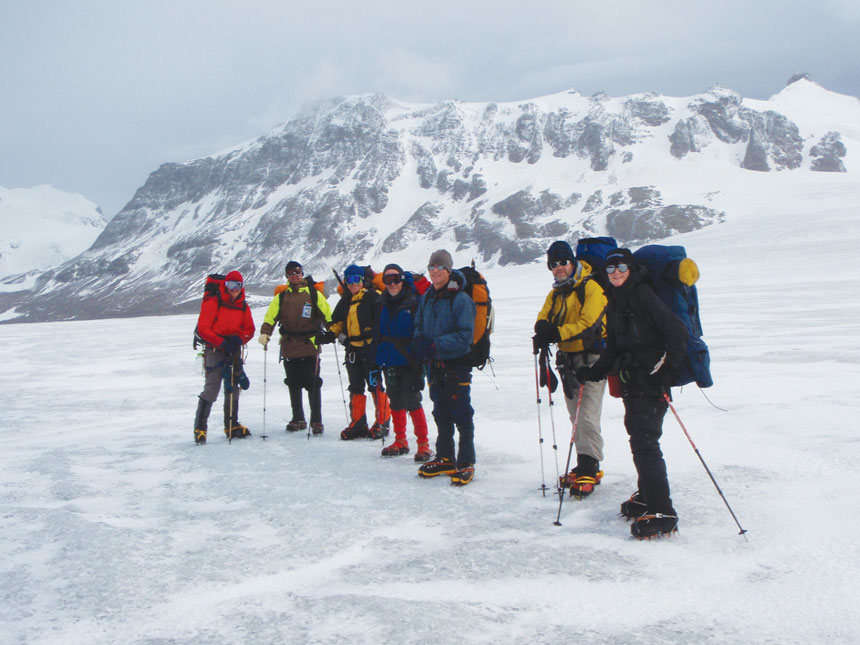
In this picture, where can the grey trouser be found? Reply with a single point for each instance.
(214, 361)
(588, 438)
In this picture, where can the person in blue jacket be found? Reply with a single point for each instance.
(395, 356)
(444, 324)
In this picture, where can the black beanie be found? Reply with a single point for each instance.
(396, 267)
(620, 256)
(559, 250)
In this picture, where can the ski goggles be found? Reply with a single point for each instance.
(352, 279)
(294, 271)
(558, 263)
(436, 267)
(233, 285)
(622, 268)
(392, 278)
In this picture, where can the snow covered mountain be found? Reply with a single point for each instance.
(40, 228)
(370, 179)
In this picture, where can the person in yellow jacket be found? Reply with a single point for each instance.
(356, 322)
(302, 313)
(574, 317)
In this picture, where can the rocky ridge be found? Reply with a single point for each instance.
(368, 179)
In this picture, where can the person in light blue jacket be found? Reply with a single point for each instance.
(444, 329)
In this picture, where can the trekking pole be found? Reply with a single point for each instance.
(265, 363)
(707, 470)
(340, 380)
(552, 426)
(543, 487)
(569, 451)
(232, 387)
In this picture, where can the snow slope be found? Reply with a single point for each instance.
(42, 227)
(116, 528)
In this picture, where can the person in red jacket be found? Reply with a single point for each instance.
(225, 324)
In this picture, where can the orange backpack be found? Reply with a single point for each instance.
(478, 290)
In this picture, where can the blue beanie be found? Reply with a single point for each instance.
(353, 269)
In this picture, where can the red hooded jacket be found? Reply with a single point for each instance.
(221, 317)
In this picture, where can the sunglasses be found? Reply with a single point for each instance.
(436, 267)
(392, 278)
(353, 279)
(558, 263)
(622, 268)
(233, 285)
(294, 272)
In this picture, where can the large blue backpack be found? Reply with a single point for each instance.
(673, 276)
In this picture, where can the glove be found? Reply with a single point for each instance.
(263, 339)
(546, 372)
(545, 333)
(231, 345)
(341, 338)
(326, 337)
(373, 377)
(243, 380)
(586, 373)
(423, 348)
(537, 347)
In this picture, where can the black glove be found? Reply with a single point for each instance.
(231, 345)
(325, 337)
(243, 380)
(546, 372)
(586, 373)
(545, 333)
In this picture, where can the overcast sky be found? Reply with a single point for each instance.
(95, 95)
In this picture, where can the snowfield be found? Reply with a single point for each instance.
(117, 528)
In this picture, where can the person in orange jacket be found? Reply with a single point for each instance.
(225, 324)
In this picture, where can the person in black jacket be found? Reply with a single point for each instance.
(645, 344)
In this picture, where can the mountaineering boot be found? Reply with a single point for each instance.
(395, 449)
(633, 507)
(298, 414)
(380, 426)
(400, 445)
(232, 428)
(423, 453)
(358, 424)
(583, 477)
(201, 420)
(465, 473)
(583, 485)
(317, 427)
(654, 525)
(443, 466)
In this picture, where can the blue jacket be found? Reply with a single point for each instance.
(397, 326)
(447, 317)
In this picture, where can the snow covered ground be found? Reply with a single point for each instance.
(117, 528)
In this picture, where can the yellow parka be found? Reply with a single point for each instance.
(579, 322)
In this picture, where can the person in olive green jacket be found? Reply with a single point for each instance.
(574, 317)
(302, 313)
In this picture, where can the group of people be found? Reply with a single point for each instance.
(606, 321)
(393, 341)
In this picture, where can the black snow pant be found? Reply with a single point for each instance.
(643, 419)
(303, 374)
